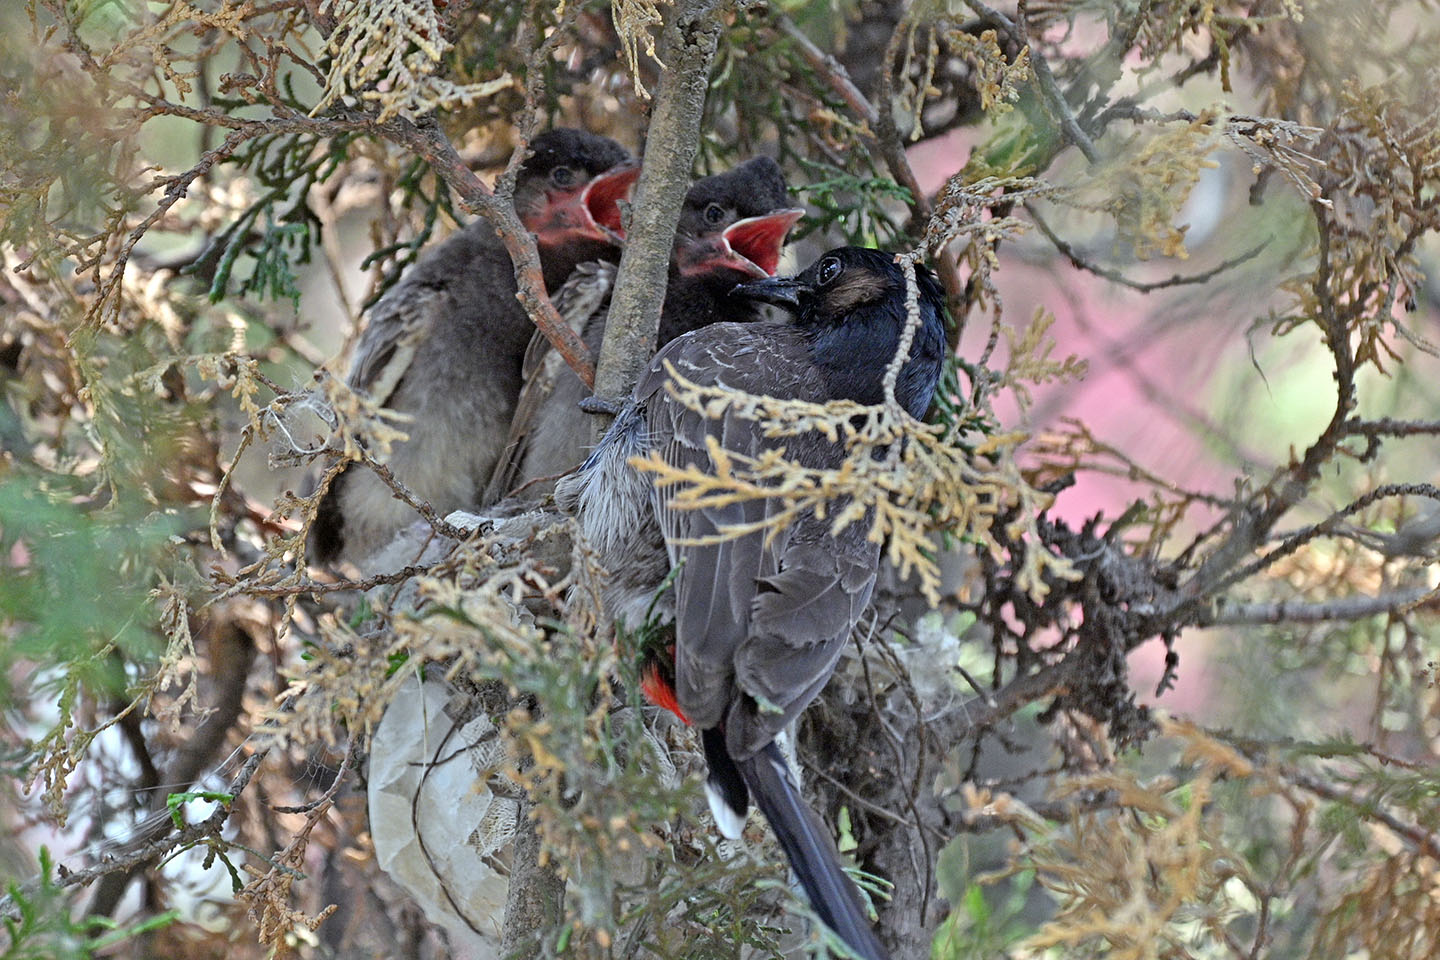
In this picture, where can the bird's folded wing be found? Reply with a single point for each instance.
(766, 610)
(800, 620)
(579, 301)
(402, 320)
(717, 570)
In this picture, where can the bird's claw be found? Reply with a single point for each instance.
(594, 404)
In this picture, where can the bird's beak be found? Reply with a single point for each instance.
(750, 247)
(591, 212)
(602, 196)
(781, 291)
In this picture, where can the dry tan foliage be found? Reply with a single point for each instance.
(1153, 868)
(929, 483)
(930, 33)
(1030, 361)
(389, 52)
(1392, 913)
(635, 23)
(1148, 181)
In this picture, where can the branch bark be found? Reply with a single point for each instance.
(687, 48)
(231, 653)
(1294, 611)
(536, 895)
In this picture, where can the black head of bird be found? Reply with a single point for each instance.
(733, 225)
(569, 193)
(850, 303)
(732, 228)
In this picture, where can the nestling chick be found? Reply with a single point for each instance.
(732, 228)
(445, 344)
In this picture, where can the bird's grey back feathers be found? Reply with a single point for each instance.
(443, 347)
(767, 616)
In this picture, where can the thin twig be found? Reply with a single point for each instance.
(422, 507)
(1079, 261)
(427, 140)
(192, 834)
(888, 146)
(317, 587)
(1044, 79)
(1390, 427)
(1327, 526)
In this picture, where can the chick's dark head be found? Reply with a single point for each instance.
(851, 305)
(733, 225)
(569, 191)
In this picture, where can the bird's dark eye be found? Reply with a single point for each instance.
(714, 213)
(562, 177)
(829, 269)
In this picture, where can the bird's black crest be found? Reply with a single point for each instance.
(565, 145)
(754, 188)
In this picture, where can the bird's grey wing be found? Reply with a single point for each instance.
(719, 572)
(579, 301)
(397, 325)
(800, 620)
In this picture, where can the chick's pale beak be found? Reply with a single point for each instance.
(781, 291)
(591, 212)
(750, 247)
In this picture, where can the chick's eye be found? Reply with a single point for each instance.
(714, 213)
(562, 177)
(830, 268)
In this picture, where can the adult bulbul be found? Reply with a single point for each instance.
(760, 617)
(445, 345)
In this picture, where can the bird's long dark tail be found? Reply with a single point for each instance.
(811, 852)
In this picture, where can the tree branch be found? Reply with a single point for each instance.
(1049, 90)
(1298, 611)
(231, 653)
(192, 834)
(1079, 261)
(536, 895)
(687, 48)
(885, 142)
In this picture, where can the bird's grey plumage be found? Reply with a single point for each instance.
(754, 613)
(444, 347)
(761, 611)
(549, 387)
(551, 435)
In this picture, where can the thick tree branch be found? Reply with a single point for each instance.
(687, 48)
(536, 896)
(1250, 525)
